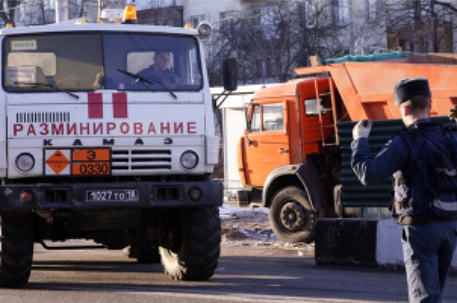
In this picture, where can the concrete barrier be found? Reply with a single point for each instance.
(345, 241)
(360, 242)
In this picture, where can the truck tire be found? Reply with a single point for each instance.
(17, 239)
(291, 216)
(190, 244)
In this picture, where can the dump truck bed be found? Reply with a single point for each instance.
(366, 88)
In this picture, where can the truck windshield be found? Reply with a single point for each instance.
(102, 60)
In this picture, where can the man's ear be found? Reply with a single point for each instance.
(405, 110)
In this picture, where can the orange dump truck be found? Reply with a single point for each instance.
(294, 157)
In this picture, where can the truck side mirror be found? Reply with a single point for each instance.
(230, 74)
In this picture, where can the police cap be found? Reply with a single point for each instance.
(405, 89)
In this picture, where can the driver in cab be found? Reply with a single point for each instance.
(160, 70)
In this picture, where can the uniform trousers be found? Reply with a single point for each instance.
(427, 253)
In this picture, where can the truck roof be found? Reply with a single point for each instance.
(71, 26)
(288, 88)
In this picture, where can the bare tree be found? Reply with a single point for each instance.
(271, 40)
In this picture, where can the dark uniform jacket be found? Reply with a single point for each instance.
(412, 190)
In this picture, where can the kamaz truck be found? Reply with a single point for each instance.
(294, 157)
(90, 149)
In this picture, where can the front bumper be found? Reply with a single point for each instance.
(75, 196)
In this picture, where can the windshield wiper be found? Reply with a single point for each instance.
(148, 81)
(47, 85)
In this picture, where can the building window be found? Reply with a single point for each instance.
(372, 9)
(227, 21)
(257, 16)
(310, 14)
(195, 20)
(265, 19)
(341, 11)
(264, 16)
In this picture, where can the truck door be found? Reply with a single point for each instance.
(266, 145)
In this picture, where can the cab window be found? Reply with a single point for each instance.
(267, 118)
(313, 106)
(273, 117)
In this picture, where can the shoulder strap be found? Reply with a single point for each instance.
(449, 139)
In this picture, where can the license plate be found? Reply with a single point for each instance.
(116, 195)
(91, 162)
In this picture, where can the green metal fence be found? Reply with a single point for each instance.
(354, 194)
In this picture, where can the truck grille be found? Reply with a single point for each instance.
(140, 160)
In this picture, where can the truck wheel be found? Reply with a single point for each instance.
(291, 216)
(17, 239)
(190, 243)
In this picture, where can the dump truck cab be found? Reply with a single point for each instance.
(284, 127)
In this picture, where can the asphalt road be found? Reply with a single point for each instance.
(246, 273)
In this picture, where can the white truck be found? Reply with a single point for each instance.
(90, 149)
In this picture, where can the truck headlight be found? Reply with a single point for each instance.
(189, 159)
(25, 162)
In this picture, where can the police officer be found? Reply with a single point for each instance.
(428, 242)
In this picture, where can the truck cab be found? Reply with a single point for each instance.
(287, 125)
(284, 129)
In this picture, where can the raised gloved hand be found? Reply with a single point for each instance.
(362, 129)
(453, 113)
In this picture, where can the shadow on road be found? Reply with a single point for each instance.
(255, 274)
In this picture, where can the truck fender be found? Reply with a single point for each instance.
(301, 175)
